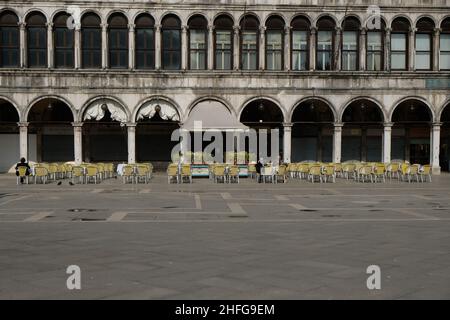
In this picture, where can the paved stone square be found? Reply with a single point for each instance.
(207, 241)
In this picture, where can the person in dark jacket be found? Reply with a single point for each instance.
(23, 163)
(258, 166)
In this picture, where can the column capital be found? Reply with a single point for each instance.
(412, 30)
(313, 30)
(77, 124)
(131, 27)
(49, 25)
(437, 31)
(77, 26)
(338, 30)
(388, 124)
(338, 125)
(104, 26)
(436, 125)
(287, 29)
(131, 124)
(236, 29)
(158, 27)
(363, 31)
(211, 28)
(184, 29)
(388, 30)
(23, 124)
(22, 25)
(262, 29)
(288, 125)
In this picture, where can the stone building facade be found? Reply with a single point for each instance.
(110, 80)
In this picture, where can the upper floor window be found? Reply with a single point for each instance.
(198, 40)
(171, 43)
(325, 43)
(118, 41)
(300, 43)
(9, 42)
(91, 41)
(145, 42)
(424, 44)
(249, 43)
(64, 42)
(400, 44)
(375, 49)
(223, 43)
(350, 44)
(274, 43)
(444, 59)
(36, 40)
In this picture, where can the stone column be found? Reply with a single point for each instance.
(287, 48)
(78, 141)
(184, 47)
(436, 48)
(158, 47)
(412, 49)
(387, 142)
(210, 46)
(262, 48)
(77, 53)
(104, 45)
(23, 45)
(337, 142)
(338, 50)
(387, 50)
(23, 139)
(312, 49)
(131, 128)
(131, 46)
(362, 49)
(236, 47)
(287, 142)
(50, 48)
(436, 147)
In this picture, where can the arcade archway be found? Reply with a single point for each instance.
(444, 158)
(362, 135)
(312, 131)
(9, 135)
(50, 119)
(411, 132)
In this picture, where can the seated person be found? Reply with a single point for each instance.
(23, 163)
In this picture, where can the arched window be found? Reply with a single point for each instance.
(36, 40)
(64, 42)
(350, 44)
(198, 42)
(249, 43)
(399, 44)
(91, 41)
(171, 43)
(274, 43)
(145, 42)
(9, 32)
(375, 49)
(223, 35)
(424, 44)
(445, 45)
(300, 43)
(118, 41)
(325, 43)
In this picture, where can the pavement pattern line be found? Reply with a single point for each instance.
(117, 216)
(14, 199)
(236, 208)
(298, 206)
(415, 214)
(37, 217)
(198, 202)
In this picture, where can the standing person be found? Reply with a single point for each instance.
(258, 166)
(23, 163)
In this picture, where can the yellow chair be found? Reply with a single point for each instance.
(40, 173)
(219, 173)
(282, 174)
(92, 173)
(348, 170)
(172, 173)
(128, 173)
(142, 173)
(252, 171)
(393, 171)
(233, 174)
(52, 171)
(77, 173)
(315, 172)
(22, 174)
(426, 172)
(329, 172)
(186, 172)
(413, 172)
(365, 172)
(303, 170)
(379, 172)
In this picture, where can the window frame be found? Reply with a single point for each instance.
(381, 51)
(331, 51)
(274, 51)
(66, 50)
(447, 33)
(307, 50)
(406, 51)
(91, 50)
(10, 49)
(223, 51)
(146, 51)
(198, 51)
(347, 51)
(430, 52)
